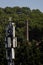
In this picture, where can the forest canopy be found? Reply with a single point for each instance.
(30, 55)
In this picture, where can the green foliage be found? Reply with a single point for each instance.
(25, 54)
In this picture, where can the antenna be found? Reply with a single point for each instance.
(10, 43)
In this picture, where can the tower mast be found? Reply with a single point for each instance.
(27, 31)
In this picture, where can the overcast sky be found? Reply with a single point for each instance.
(33, 4)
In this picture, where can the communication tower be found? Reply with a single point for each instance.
(10, 43)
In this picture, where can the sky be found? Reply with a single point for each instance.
(32, 4)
